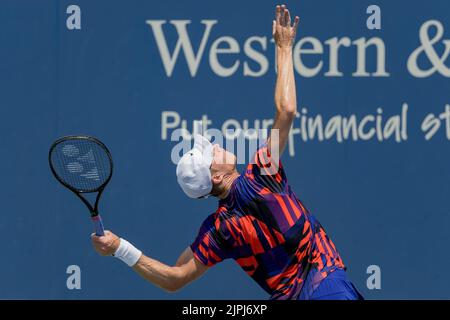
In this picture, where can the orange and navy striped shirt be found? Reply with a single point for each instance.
(267, 230)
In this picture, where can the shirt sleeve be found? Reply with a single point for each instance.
(266, 171)
(211, 245)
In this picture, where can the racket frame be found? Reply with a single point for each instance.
(92, 209)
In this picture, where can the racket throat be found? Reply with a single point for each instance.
(93, 209)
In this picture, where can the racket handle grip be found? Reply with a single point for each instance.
(98, 226)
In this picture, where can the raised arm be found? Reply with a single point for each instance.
(169, 278)
(285, 92)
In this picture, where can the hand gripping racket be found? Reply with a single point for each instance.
(83, 165)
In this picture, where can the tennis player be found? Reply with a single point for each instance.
(259, 222)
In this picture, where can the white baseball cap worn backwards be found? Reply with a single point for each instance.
(193, 169)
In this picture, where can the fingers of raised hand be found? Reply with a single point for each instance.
(278, 15)
(287, 18)
(282, 16)
(295, 26)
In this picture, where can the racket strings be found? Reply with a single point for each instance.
(82, 164)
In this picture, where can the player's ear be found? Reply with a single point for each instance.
(217, 178)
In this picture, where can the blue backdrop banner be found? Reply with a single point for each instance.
(368, 152)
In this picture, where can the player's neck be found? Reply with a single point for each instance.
(227, 183)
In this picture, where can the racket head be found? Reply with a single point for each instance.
(81, 163)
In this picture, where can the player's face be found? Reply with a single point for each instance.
(222, 159)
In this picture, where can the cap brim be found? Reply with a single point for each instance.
(205, 147)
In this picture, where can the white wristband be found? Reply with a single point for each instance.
(128, 253)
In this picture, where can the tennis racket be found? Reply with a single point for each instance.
(82, 164)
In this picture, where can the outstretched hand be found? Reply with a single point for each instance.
(282, 30)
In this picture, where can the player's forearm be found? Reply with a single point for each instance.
(285, 90)
(164, 276)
